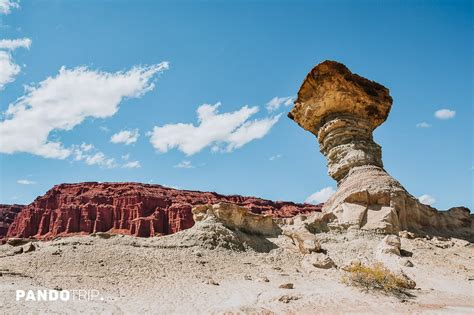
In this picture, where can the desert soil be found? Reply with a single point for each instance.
(162, 276)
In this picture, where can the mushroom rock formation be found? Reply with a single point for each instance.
(128, 208)
(342, 109)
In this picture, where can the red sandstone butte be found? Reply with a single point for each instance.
(127, 208)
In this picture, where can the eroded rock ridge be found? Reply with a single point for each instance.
(128, 208)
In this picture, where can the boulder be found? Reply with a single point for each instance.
(305, 241)
(388, 253)
(17, 241)
(390, 245)
(318, 260)
(30, 247)
(286, 286)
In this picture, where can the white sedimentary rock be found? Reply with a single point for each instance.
(342, 109)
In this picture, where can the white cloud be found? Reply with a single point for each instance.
(223, 132)
(9, 69)
(104, 128)
(64, 101)
(125, 136)
(7, 5)
(423, 125)
(445, 114)
(132, 164)
(249, 131)
(169, 186)
(100, 159)
(184, 164)
(79, 151)
(276, 102)
(427, 199)
(321, 196)
(274, 157)
(25, 182)
(91, 156)
(12, 44)
(86, 147)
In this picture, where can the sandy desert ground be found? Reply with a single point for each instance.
(193, 272)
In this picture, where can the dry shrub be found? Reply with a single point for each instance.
(378, 277)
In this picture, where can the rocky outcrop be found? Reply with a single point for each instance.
(342, 109)
(238, 218)
(128, 208)
(8, 214)
(226, 225)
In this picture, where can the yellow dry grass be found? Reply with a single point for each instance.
(377, 277)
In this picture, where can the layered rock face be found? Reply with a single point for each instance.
(342, 109)
(128, 208)
(8, 214)
(237, 218)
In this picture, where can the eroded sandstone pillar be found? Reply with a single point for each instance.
(342, 109)
(346, 141)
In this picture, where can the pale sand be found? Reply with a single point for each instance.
(140, 276)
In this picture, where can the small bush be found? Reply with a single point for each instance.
(377, 277)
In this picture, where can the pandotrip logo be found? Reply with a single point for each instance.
(53, 295)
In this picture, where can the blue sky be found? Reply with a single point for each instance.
(143, 68)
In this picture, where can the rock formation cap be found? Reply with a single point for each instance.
(331, 88)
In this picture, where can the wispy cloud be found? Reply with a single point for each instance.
(276, 102)
(427, 199)
(125, 156)
(64, 101)
(171, 186)
(6, 6)
(423, 125)
(320, 196)
(445, 114)
(100, 159)
(12, 44)
(223, 132)
(8, 68)
(125, 136)
(91, 156)
(274, 157)
(184, 164)
(25, 182)
(132, 164)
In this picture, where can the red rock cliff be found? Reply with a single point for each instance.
(127, 208)
(7, 216)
